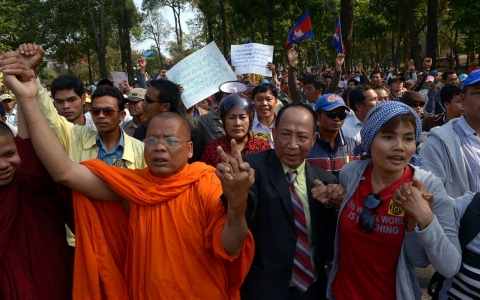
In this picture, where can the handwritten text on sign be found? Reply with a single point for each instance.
(252, 58)
(201, 73)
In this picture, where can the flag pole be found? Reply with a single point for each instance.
(316, 52)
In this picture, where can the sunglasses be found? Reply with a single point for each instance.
(366, 222)
(150, 101)
(333, 115)
(107, 111)
(417, 105)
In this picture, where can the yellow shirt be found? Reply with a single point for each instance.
(80, 141)
(301, 189)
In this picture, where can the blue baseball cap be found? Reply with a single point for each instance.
(433, 72)
(330, 101)
(462, 77)
(472, 78)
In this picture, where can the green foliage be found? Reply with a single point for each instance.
(47, 75)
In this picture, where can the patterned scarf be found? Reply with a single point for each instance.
(379, 115)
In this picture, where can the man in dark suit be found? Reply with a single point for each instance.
(273, 218)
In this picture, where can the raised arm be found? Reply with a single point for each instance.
(236, 192)
(292, 75)
(47, 146)
(336, 75)
(32, 55)
(142, 78)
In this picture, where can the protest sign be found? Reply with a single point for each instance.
(252, 58)
(118, 77)
(201, 73)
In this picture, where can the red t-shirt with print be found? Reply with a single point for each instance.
(368, 261)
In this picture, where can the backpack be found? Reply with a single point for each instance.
(469, 229)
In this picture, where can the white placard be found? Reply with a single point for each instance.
(252, 58)
(118, 77)
(201, 73)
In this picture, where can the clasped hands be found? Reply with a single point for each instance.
(415, 201)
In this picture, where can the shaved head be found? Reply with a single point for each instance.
(183, 125)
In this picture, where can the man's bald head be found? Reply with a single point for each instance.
(167, 146)
(183, 125)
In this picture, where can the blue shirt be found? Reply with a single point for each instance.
(109, 157)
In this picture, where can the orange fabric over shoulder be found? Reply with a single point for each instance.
(168, 248)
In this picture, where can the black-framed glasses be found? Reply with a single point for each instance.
(171, 142)
(366, 222)
(333, 115)
(107, 111)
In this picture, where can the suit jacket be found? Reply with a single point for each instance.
(271, 222)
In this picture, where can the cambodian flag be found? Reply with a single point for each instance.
(301, 31)
(337, 39)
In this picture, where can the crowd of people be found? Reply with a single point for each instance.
(326, 185)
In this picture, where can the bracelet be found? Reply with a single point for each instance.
(328, 205)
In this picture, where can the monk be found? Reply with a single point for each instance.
(182, 241)
(35, 260)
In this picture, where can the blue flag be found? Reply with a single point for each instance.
(337, 39)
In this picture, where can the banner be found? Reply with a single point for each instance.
(201, 73)
(252, 58)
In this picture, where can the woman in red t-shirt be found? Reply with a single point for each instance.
(380, 238)
(236, 112)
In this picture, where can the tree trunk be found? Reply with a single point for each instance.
(127, 45)
(455, 53)
(100, 40)
(89, 68)
(346, 19)
(270, 27)
(260, 29)
(414, 49)
(377, 54)
(399, 37)
(210, 30)
(224, 28)
(432, 32)
(178, 12)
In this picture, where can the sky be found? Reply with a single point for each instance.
(168, 14)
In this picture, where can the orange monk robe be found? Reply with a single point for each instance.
(174, 231)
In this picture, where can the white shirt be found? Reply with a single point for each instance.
(351, 128)
(261, 131)
(89, 121)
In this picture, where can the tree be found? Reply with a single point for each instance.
(156, 28)
(346, 17)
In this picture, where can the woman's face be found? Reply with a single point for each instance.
(392, 151)
(237, 123)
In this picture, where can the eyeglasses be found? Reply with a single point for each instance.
(474, 94)
(417, 105)
(150, 101)
(171, 142)
(107, 111)
(333, 115)
(366, 222)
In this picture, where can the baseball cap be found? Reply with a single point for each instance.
(430, 78)
(433, 72)
(342, 85)
(330, 101)
(136, 94)
(394, 77)
(412, 97)
(462, 77)
(6, 97)
(105, 81)
(472, 78)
